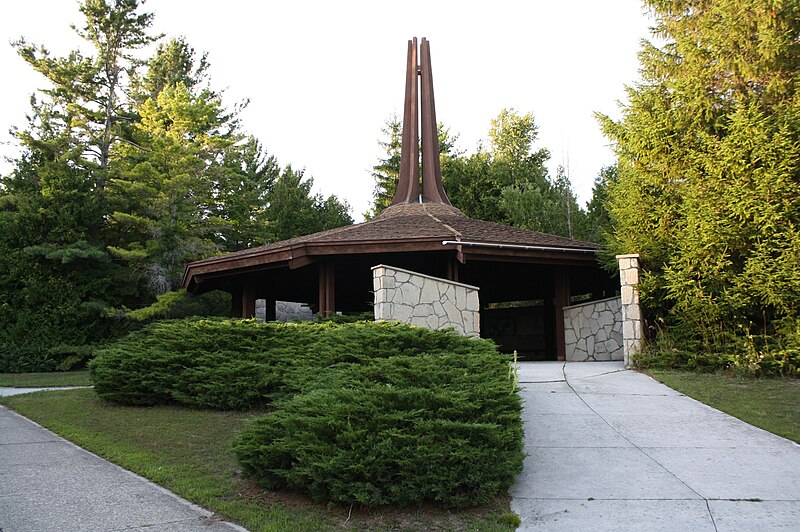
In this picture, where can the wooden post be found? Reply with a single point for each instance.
(452, 269)
(327, 290)
(248, 299)
(562, 290)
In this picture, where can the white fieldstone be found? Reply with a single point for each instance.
(453, 314)
(430, 292)
(632, 276)
(461, 297)
(402, 277)
(419, 321)
(627, 329)
(602, 356)
(627, 294)
(422, 310)
(402, 312)
(606, 318)
(410, 293)
(450, 294)
(569, 336)
(472, 301)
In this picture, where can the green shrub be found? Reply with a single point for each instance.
(372, 413)
(741, 353)
(400, 430)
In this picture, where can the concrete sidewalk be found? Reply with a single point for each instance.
(47, 483)
(610, 449)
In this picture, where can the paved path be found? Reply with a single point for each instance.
(47, 483)
(610, 449)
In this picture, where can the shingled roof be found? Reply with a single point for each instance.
(420, 218)
(402, 227)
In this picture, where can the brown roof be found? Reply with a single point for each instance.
(406, 223)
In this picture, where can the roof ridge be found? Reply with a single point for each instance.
(457, 234)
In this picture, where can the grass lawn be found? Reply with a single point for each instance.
(189, 452)
(772, 404)
(37, 380)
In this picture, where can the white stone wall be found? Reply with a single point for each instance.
(284, 311)
(593, 331)
(425, 301)
(632, 325)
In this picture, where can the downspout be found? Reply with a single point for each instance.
(515, 246)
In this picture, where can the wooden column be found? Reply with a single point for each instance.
(248, 300)
(327, 290)
(452, 269)
(561, 300)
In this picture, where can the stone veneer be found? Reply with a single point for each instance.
(593, 331)
(284, 311)
(425, 301)
(632, 328)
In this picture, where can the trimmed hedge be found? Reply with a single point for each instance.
(371, 413)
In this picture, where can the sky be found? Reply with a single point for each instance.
(323, 77)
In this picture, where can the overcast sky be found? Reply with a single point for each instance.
(322, 77)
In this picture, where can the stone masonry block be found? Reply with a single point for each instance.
(430, 292)
(419, 321)
(423, 310)
(380, 296)
(461, 297)
(453, 313)
(472, 301)
(627, 329)
(402, 312)
(627, 294)
(411, 293)
(432, 322)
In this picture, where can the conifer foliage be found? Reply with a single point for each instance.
(129, 168)
(364, 412)
(708, 191)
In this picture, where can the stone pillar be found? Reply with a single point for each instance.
(632, 329)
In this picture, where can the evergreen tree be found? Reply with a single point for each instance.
(708, 191)
(387, 172)
(294, 211)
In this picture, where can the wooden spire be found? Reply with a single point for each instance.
(408, 188)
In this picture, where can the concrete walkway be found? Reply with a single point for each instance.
(47, 483)
(610, 449)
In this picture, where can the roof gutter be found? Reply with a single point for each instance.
(515, 246)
